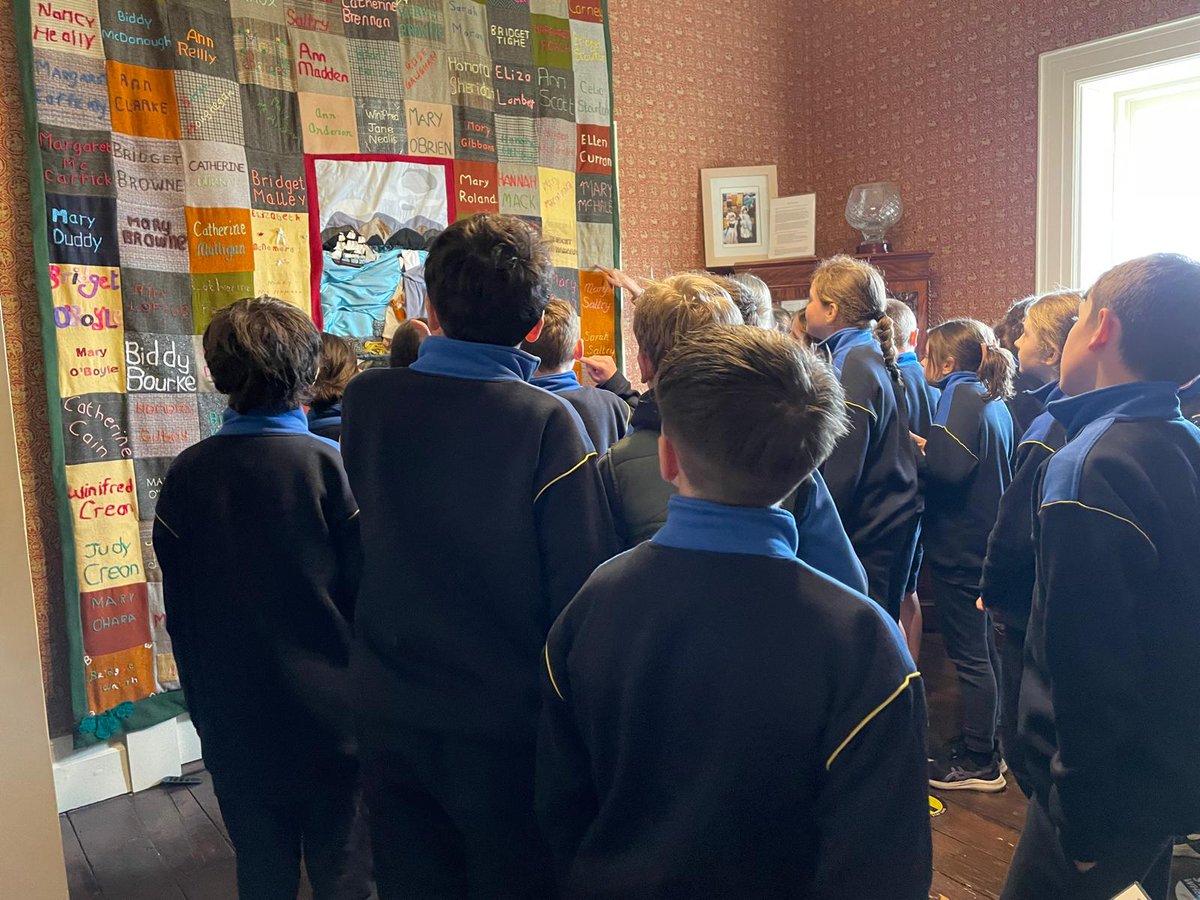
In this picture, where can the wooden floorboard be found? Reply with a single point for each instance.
(966, 865)
(203, 793)
(946, 888)
(197, 855)
(124, 860)
(81, 883)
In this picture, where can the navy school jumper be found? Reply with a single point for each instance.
(966, 468)
(1008, 571)
(256, 532)
(482, 514)
(872, 473)
(920, 396)
(326, 421)
(1110, 698)
(700, 739)
(604, 414)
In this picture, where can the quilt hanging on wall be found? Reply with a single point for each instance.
(178, 152)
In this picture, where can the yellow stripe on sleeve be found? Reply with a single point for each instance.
(957, 441)
(562, 476)
(550, 672)
(863, 408)
(871, 715)
(1039, 443)
(1129, 522)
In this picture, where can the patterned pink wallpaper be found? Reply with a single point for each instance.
(941, 97)
(699, 86)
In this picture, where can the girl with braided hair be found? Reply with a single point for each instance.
(872, 474)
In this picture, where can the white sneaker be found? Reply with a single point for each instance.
(1188, 889)
(1189, 848)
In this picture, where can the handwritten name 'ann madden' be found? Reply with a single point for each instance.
(315, 64)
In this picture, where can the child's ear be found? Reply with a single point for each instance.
(645, 366)
(668, 460)
(577, 354)
(536, 331)
(912, 338)
(1108, 330)
(1052, 356)
(435, 324)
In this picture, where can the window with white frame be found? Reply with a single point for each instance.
(1119, 152)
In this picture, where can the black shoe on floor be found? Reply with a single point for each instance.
(956, 747)
(968, 772)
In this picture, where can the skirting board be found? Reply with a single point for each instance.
(132, 762)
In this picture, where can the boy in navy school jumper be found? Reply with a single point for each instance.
(257, 535)
(872, 473)
(1110, 708)
(637, 493)
(966, 463)
(1006, 583)
(558, 347)
(338, 364)
(700, 739)
(920, 398)
(503, 520)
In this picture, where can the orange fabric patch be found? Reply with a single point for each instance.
(220, 240)
(116, 677)
(143, 101)
(596, 304)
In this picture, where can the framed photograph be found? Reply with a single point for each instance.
(737, 214)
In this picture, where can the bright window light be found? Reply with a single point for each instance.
(1139, 182)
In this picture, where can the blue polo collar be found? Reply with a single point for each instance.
(954, 378)
(478, 362)
(908, 358)
(1133, 400)
(1191, 390)
(842, 342)
(558, 384)
(694, 524)
(1047, 393)
(291, 422)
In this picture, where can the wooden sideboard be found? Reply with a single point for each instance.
(906, 274)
